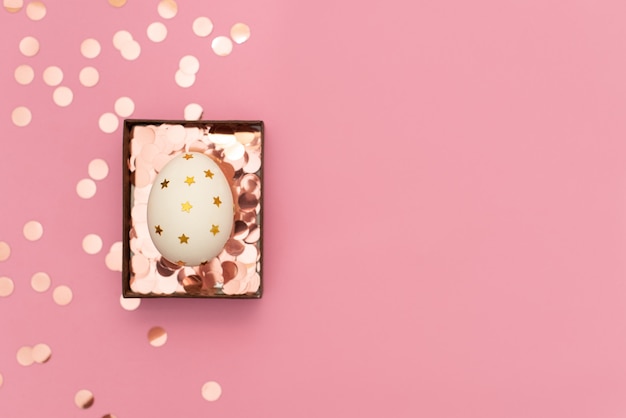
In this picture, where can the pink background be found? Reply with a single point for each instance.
(445, 212)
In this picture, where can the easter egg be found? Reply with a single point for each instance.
(190, 209)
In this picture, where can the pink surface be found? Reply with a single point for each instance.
(445, 212)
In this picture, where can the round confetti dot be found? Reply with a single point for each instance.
(84, 399)
(98, 169)
(41, 353)
(130, 304)
(25, 356)
(40, 282)
(108, 123)
(29, 46)
(92, 244)
(52, 76)
(86, 188)
(235, 151)
(5, 251)
(13, 6)
(117, 3)
(62, 295)
(36, 10)
(222, 46)
(113, 259)
(167, 9)
(202, 26)
(1, 380)
(184, 80)
(24, 74)
(6, 286)
(89, 77)
(157, 336)
(33, 230)
(211, 391)
(157, 32)
(21, 116)
(90, 48)
(120, 38)
(124, 106)
(189, 64)
(193, 111)
(63, 96)
(240, 33)
(131, 50)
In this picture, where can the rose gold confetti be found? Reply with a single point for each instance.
(52, 76)
(36, 10)
(89, 77)
(142, 177)
(193, 111)
(184, 80)
(131, 50)
(249, 255)
(254, 283)
(234, 247)
(41, 353)
(253, 165)
(254, 235)
(113, 260)
(211, 391)
(92, 244)
(222, 46)
(40, 282)
(6, 286)
(108, 123)
(13, 6)
(25, 356)
(24, 74)
(157, 336)
(33, 230)
(29, 46)
(157, 32)
(141, 265)
(63, 96)
(202, 26)
(98, 169)
(62, 295)
(130, 304)
(120, 38)
(86, 188)
(240, 33)
(117, 3)
(167, 9)
(109, 416)
(189, 64)
(247, 202)
(90, 48)
(84, 399)
(1, 380)
(124, 106)
(21, 116)
(235, 151)
(5, 251)
(244, 137)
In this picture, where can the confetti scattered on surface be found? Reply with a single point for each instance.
(98, 169)
(131, 50)
(90, 48)
(29, 46)
(24, 74)
(89, 76)
(36, 10)
(120, 38)
(108, 123)
(13, 6)
(84, 399)
(24, 356)
(157, 336)
(117, 3)
(184, 80)
(1, 380)
(124, 107)
(157, 32)
(41, 353)
(53, 76)
(113, 259)
(86, 188)
(92, 244)
(62, 295)
(189, 64)
(240, 33)
(193, 111)
(6, 286)
(202, 26)
(211, 391)
(130, 304)
(222, 46)
(32, 230)
(63, 96)
(5, 251)
(21, 116)
(40, 281)
(167, 9)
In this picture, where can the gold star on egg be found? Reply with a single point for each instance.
(180, 263)
(164, 183)
(208, 174)
(158, 229)
(216, 201)
(215, 229)
(190, 181)
(183, 239)
(186, 207)
(188, 156)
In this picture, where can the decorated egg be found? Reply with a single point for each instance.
(190, 209)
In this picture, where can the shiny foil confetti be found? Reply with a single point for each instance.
(211, 391)
(90, 48)
(52, 76)
(24, 74)
(36, 10)
(167, 9)
(222, 46)
(202, 26)
(29, 46)
(193, 111)
(5, 251)
(157, 336)
(117, 3)
(13, 6)
(40, 282)
(32, 230)
(157, 32)
(130, 304)
(6, 286)
(84, 399)
(41, 353)
(92, 244)
(240, 33)
(89, 76)
(21, 116)
(62, 295)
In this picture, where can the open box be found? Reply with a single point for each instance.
(235, 148)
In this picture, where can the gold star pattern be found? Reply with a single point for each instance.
(158, 229)
(164, 183)
(215, 229)
(216, 201)
(183, 239)
(208, 174)
(188, 156)
(186, 207)
(190, 180)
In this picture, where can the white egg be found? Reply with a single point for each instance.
(190, 209)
